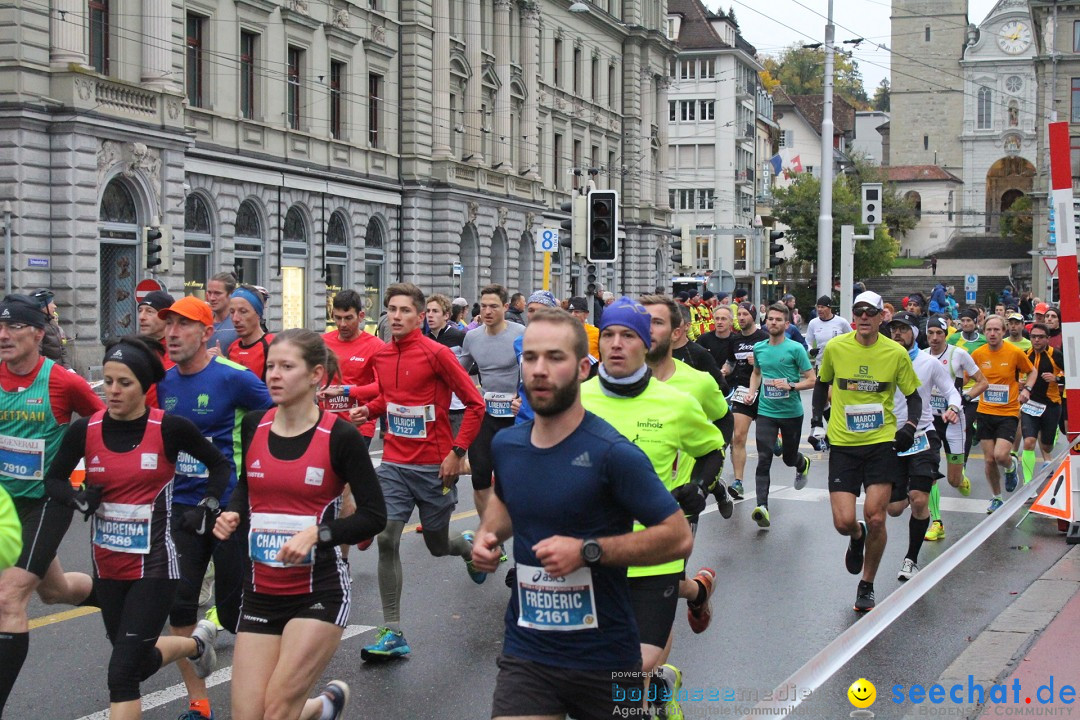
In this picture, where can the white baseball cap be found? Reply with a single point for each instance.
(868, 298)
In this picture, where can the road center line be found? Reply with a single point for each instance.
(218, 677)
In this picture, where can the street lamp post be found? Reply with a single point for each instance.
(825, 218)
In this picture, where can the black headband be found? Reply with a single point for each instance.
(22, 309)
(147, 370)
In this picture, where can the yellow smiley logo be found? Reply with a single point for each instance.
(862, 693)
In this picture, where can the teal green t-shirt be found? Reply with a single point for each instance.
(787, 361)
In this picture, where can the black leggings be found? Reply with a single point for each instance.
(134, 611)
(230, 569)
(969, 427)
(767, 427)
(726, 425)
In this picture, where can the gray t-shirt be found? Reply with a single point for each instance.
(495, 357)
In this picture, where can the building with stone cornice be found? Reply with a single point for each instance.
(314, 146)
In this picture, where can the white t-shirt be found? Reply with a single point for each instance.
(819, 332)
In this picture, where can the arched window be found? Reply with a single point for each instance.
(119, 235)
(915, 200)
(249, 244)
(337, 260)
(117, 204)
(374, 256)
(198, 245)
(499, 249)
(295, 237)
(526, 257)
(983, 114)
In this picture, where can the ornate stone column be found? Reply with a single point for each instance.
(501, 125)
(530, 155)
(67, 24)
(474, 118)
(444, 124)
(156, 34)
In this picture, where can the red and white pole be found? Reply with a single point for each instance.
(1061, 195)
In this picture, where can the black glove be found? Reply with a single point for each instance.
(200, 519)
(86, 500)
(691, 498)
(905, 438)
(813, 352)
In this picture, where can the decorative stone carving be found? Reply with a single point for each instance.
(474, 210)
(530, 218)
(174, 107)
(503, 212)
(530, 11)
(84, 87)
(300, 6)
(341, 18)
(378, 34)
(107, 156)
(502, 4)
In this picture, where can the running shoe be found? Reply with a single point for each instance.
(477, 576)
(205, 661)
(801, 476)
(778, 447)
(212, 616)
(995, 503)
(195, 715)
(723, 499)
(337, 692)
(936, 531)
(864, 597)
(502, 554)
(699, 615)
(1011, 481)
(965, 486)
(388, 643)
(206, 590)
(907, 570)
(671, 677)
(736, 490)
(760, 515)
(854, 557)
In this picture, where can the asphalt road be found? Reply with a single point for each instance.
(783, 594)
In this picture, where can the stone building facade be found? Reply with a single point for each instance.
(313, 146)
(927, 89)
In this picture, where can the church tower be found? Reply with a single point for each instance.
(927, 85)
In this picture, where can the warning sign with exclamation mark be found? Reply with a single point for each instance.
(1056, 498)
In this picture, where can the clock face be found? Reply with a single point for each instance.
(1015, 36)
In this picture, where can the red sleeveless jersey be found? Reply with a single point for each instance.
(285, 497)
(131, 535)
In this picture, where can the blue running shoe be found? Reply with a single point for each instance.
(995, 503)
(388, 644)
(1011, 481)
(736, 489)
(477, 576)
(778, 447)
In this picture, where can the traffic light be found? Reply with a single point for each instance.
(602, 241)
(569, 239)
(871, 203)
(775, 248)
(591, 280)
(682, 252)
(153, 246)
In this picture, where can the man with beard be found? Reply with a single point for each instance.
(781, 369)
(668, 425)
(570, 488)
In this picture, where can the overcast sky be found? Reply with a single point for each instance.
(853, 18)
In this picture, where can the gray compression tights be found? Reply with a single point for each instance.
(438, 543)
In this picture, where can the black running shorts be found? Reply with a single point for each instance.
(44, 523)
(851, 468)
(655, 598)
(480, 450)
(268, 614)
(996, 427)
(523, 687)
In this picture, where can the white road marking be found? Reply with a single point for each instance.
(810, 494)
(218, 677)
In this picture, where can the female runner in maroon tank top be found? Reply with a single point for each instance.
(130, 453)
(297, 461)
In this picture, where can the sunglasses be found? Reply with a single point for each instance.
(868, 312)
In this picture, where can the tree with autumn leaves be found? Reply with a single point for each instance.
(800, 71)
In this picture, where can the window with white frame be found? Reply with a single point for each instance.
(248, 244)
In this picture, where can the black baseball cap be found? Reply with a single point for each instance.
(158, 299)
(579, 304)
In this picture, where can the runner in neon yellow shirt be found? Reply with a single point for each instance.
(666, 424)
(10, 532)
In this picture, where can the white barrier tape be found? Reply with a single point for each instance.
(836, 654)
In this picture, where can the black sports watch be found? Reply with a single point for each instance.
(459, 451)
(591, 552)
(325, 536)
(211, 504)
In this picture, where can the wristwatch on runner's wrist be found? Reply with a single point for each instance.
(459, 451)
(325, 536)
(591, 552)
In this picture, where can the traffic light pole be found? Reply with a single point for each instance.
(847, 268)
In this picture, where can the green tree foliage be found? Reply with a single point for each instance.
(881, 96)
(1016, 221)
(797, 207)
(801, 71)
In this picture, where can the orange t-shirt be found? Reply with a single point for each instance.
(1002, 369)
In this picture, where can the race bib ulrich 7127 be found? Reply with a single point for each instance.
(556, 603)
(409, 421)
